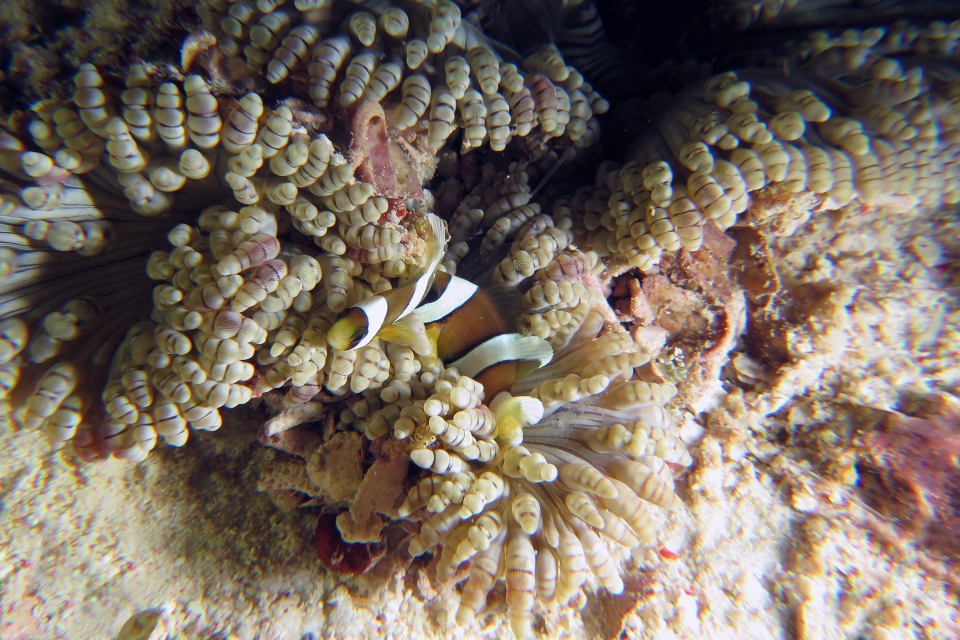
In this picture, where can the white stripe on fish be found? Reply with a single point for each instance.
(375, 308)
(457, 293)
(506, 347)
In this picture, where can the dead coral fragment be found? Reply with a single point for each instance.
(337, 555)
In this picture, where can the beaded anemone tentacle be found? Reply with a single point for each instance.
(866, 116)
(536, 505)
(439, 66)
(83, 210)
(264, 219)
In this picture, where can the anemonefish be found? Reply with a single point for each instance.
(378, 315)
(473, 330)
(468, 327)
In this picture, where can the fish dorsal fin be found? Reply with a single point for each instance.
(504, 348)
(441, 279)
(509, 301)
(436, 246)
(526, 367)
(418, 286)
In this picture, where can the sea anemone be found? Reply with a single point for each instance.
(536, 505)
(239, 190)
(187, 247)
(867, 116)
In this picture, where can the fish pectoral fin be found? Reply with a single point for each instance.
(409, 331)
(433, 335)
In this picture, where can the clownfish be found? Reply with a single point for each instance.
(435, 313)
(382, 316)
(472, 329)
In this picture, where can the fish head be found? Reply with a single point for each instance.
(350, 331)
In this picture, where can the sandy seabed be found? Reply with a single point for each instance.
(183, 546)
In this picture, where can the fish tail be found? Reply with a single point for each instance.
(515, 413)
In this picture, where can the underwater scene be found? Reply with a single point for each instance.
(479, 319)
